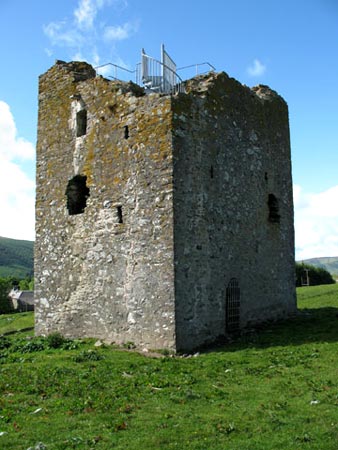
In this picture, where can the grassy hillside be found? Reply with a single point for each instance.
(272, 390)
(16, 257)
(329, 263)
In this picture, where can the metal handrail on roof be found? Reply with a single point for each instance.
(153, 75)
(156, 76)
(197, 66)
(116, 68)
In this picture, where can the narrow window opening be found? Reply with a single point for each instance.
(126, 132)
(266, 176)
(77, 193)
(119, 214)
(81, 123)
(211, 171)
(273, 209)
(232, 306)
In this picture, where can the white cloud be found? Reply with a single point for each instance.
(316, 223)
(85, 13)
(48, 52)
(59, 34)
(256, 69)
(17, 194)
(120, 32)
(84, 33)
(12, 146)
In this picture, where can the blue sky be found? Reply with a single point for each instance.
(290, 45)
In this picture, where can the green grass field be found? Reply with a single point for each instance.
(276, 389)
(14, 322)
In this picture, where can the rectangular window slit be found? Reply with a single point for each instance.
(81, 123)
(126, 132)
(119, 214)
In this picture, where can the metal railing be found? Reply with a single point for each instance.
(158, 77)
(152, 74)
(111, 70)
(197, 68)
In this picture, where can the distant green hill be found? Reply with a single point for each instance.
(16, 257)
(329, 263)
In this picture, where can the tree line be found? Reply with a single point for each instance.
(308, 275)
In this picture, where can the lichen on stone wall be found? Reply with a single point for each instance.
(178, 206)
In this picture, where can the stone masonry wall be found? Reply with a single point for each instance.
(186, 193)
(107, 272)
(231, 151)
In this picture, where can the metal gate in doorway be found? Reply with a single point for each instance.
(232, 306)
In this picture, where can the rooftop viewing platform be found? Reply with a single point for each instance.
(153, 75)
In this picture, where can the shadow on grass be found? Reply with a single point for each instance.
(315, 325)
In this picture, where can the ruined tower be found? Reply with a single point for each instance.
(163, 219)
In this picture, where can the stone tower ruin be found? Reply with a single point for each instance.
(162, 219)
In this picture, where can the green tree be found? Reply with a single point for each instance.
(31, 285)
(316, 275)
(25, 284)
(5, 287)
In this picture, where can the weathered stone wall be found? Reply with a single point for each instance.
(231, 151)
(96, 276)
(179, 204)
